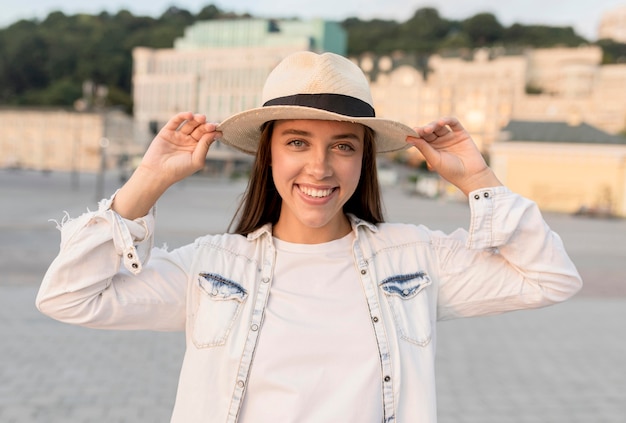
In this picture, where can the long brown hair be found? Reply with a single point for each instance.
(261, 202)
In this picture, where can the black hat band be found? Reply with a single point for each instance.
(336, 103)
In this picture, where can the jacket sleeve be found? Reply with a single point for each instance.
(509, 259)
(107, 275)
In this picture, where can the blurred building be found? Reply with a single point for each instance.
(219, 67)
(66, 140)
(489, 87)
(480, 92)
(613, 25)
(572, 83)
(569, 167)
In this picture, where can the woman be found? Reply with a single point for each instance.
(313, 310)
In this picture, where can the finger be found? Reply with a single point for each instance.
(202, 130)
(429, 152)
(439, 128)
(189, 125)
(455, 125)
(430, 131)
(199, 118)
(442, 132)
(426, 133)
(202, 148)
(174, 123)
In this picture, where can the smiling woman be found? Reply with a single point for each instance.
(262, 205)
(313, 309)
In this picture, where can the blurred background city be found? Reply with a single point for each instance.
(83, 93)
(86, 92)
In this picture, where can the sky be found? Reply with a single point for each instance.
(583, 15)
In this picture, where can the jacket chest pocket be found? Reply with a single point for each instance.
(218, 303)
(408, 301)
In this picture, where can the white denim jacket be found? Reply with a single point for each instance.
(216, 289)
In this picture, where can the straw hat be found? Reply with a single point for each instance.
(307, 85)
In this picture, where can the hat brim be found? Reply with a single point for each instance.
(242, 130)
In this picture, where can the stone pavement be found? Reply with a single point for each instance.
(565, 363)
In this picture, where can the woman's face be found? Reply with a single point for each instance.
(315, 166)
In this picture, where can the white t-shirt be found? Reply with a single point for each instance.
(317, 358)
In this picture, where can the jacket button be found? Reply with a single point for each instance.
(254, 327)
(486, 195)
(387, 378)
(241, 384)
(265, 280)
(477, 197)
(375, 319)
(363, 272)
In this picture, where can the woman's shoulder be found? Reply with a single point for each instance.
(221, 239)
(398, 232)
(399, 229)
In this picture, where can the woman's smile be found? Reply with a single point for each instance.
(315, 192)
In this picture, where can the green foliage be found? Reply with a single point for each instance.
(613, 52)
(541, 36)
(422, 33)
(55, 93)
(373, 36)
(47, 62)
(427, 32)
(533, 90)
(483, 29)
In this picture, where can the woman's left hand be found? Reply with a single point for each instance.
(449, 150)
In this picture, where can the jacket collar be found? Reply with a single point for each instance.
(263, 230)
(354, 221)
(357, 222)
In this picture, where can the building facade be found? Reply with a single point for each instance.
(563, 166)
(613, 25)
(491, 87)
(219, 67)
(65, 140)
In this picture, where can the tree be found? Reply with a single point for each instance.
(208, 12)
(370, 36)
(483, 29)
(613, 51)
(23, 61)
(424, 31)
(541, 36)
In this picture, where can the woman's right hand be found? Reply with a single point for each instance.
(180, 148)
(177, 151)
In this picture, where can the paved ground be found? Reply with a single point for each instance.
(561, 364)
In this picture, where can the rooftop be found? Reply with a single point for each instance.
(537, 131)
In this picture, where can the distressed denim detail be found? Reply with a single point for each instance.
(409, 306)
(219, 302)
(405, 286)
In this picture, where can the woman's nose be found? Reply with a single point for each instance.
(319, 165)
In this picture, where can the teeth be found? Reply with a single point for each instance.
(317, 193)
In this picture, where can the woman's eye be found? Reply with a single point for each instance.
(297, 143)
(345, 147)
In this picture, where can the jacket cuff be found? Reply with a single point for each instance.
(486, 207)
(133, 239)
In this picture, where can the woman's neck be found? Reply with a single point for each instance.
(297, 232)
